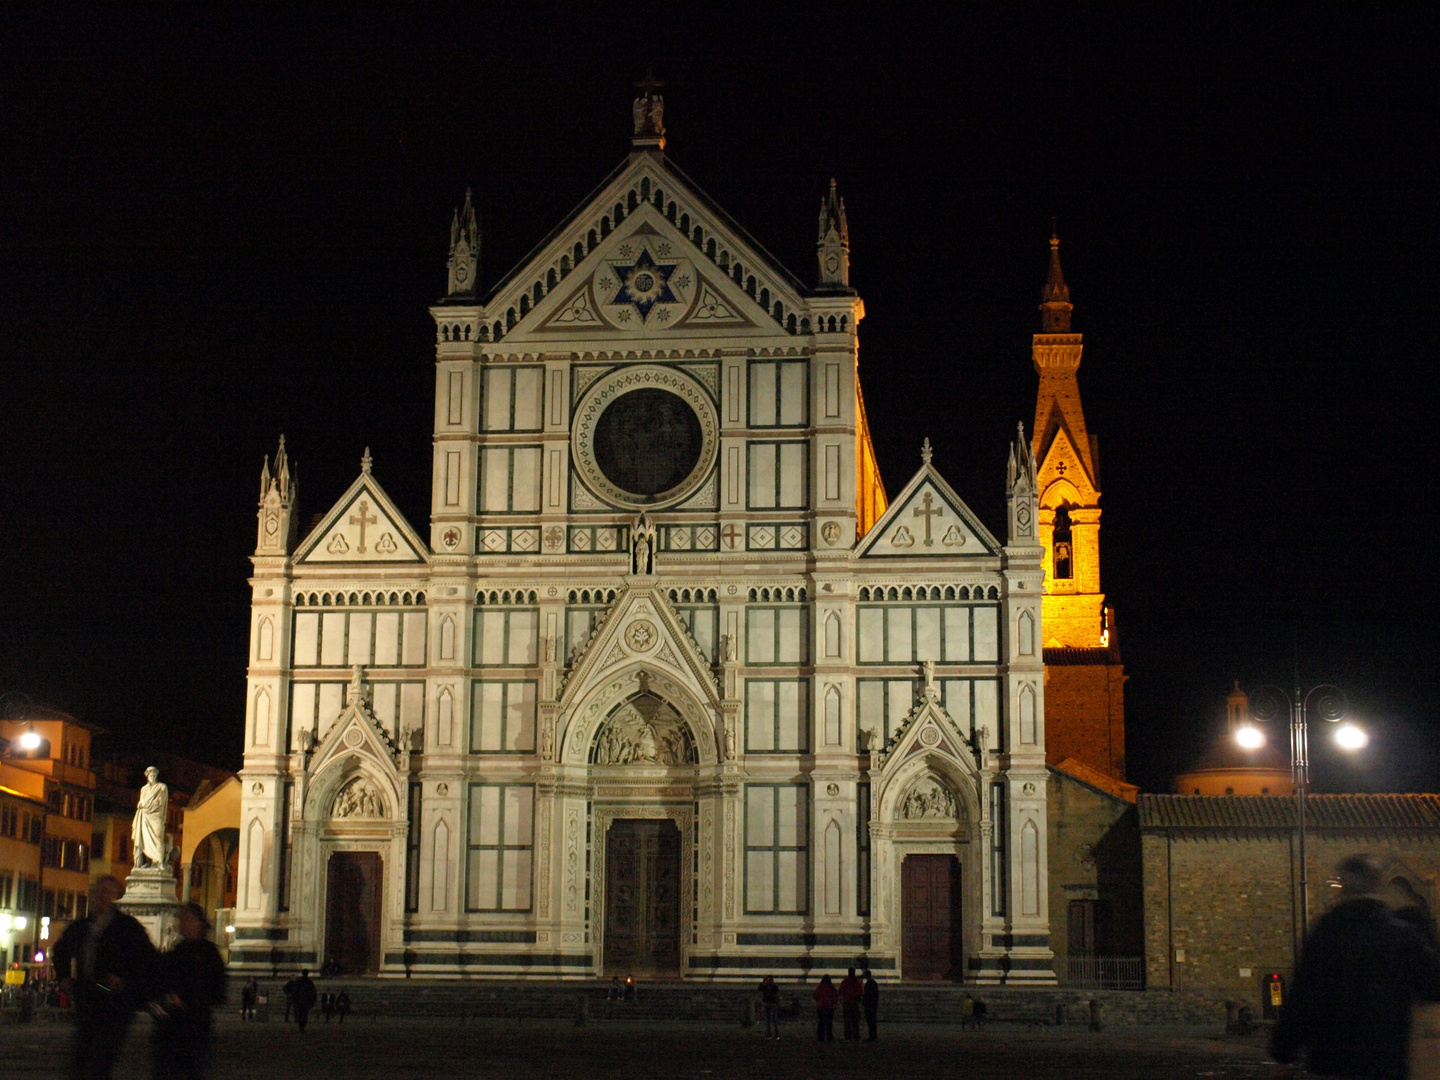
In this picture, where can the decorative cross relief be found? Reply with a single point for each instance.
(927, 513)
(363, 519)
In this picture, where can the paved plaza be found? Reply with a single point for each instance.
(480, 1050)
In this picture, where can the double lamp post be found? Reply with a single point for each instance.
(1324, 702)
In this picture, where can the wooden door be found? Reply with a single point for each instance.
(642, 898)
(352, 911)
(930, 918)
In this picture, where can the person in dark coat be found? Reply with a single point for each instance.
(289, 991)
(327, 1005)
(770, 1006)
(190, 981)
(870, 1002)
(851, 990)
(105, 963)
(248, 997)
(304, 999)
(342, 1005)
(826, 998)
(1360, 970)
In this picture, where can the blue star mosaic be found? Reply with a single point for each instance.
(645, 283)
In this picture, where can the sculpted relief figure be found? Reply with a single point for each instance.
(357, 800)
(147, 830)
(929, 799)
(645, 731)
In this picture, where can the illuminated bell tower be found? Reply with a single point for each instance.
(1085, 680)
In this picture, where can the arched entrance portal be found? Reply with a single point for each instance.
(639, 753)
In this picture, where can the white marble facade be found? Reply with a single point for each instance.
(606, 623)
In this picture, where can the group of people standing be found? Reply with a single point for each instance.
(855, 995)
(109, 969)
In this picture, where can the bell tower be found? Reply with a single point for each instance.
(1084, 677)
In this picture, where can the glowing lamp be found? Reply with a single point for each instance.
(39, 957)
(1249, 737)
(29, 740)
(229, 929)
(21, 922)
(4, 923)
(1350, 737)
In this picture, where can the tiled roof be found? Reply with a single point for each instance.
(1278, 812)
(1118, 789)
(1064, 656)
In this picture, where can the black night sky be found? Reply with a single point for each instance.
(218, 227)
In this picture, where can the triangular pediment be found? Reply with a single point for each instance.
(641, 627)
(364, 526)
(1063, 466)
(647, 256)
(355, 733)
(928, 519)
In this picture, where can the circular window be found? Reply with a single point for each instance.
(645, 437)
(648, 441)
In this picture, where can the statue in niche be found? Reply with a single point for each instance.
(547, 739)
(929, 799)
(648, 110)
(358, 799)
(645, 731)
(642, 546)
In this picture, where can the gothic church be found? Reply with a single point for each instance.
(671, 688)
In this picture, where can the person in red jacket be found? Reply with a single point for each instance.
(851, 990)
(825, 1001)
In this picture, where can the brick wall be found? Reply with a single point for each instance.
(1085, 715)
(1227, 899)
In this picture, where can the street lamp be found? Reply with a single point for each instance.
(1266, 705)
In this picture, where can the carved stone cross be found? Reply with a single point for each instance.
(362, 519)
(731, 534)
(927, 513)
(1060, 467)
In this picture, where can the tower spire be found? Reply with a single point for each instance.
(1055, 306)
(834, 243)
(278, 494)
(464, 264)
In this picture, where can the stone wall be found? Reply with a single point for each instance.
(1085, 715)
(1221, 905)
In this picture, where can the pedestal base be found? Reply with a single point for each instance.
(150, 898)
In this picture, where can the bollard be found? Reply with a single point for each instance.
(1097, 1016)
(582, 1009)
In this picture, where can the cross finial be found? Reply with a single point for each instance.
(366, 461)
(925, 452)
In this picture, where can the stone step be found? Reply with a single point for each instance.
(722, 1004)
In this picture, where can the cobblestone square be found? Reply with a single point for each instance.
(435, 1049)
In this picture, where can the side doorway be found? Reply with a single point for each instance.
(931, 939)
(354, 880)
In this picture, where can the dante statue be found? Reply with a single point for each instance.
(147, 830)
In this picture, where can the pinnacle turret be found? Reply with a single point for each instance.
(1055, 306)
(464, 261)
(834, 243)
(278, 494)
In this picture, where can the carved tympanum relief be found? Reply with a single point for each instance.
(929, 799)
(358, 799)
(645, 730)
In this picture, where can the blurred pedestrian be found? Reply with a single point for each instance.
(304, 999)
(249, 993)
(289, 990)
(190, 982)
(770, 1006)
(327, 1005)
(105, 963)
(342, 1005)
(1359, 971)
(870, 1001)
(851, 990)
(978, 1012)
(826, 998)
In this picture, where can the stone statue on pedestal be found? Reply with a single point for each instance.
(147, 830)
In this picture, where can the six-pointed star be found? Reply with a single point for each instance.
(645, 283)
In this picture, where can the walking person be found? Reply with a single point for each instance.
(327, 1005)
(978, 1011)
(870, 1002)
(289, 991)
(1425, 1022)
(304, 998)
(851, 990)
(105, 963)
(1360, 969)
(826, 998)
(248, 995)
(190, 982)
(770, 1006)
(342, 1005)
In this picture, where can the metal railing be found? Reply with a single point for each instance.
(1105, 972)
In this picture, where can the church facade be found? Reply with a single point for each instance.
(669, 688)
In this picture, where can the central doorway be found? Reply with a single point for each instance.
(352, 911)
(642, 898)
(930, 918)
